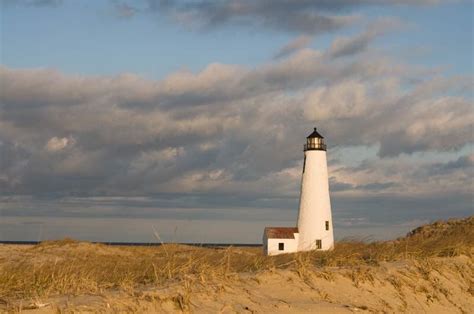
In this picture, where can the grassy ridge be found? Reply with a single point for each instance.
(72, 267)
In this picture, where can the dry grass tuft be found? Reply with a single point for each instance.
(73, 267)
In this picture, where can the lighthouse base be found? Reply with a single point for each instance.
(283, 240)
(318, 244)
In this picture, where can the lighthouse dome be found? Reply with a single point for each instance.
(315, 141)
(315, 134)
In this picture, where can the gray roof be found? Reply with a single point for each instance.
(315, 134)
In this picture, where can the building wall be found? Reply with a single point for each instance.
(271, 246)
(315, 205)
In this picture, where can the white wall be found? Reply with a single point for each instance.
(315, 205)
(271, 247)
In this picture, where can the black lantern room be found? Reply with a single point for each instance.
(315, 141)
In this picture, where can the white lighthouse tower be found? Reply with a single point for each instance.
(314, 231)
(314, 218)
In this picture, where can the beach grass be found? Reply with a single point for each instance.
(73, 267)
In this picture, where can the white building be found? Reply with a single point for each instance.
(278, 240)
(314, 231)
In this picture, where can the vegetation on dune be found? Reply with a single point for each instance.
(72, 267)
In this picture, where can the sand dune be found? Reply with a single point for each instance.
(438, 286)
(431, 270)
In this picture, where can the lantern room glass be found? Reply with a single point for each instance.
(315, 143)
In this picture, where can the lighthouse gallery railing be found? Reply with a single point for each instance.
(315, 146)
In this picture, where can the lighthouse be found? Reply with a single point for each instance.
(314, 227)
(314, 217)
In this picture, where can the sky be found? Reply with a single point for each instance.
(185, 120)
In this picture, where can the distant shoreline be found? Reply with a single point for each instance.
(209, 245)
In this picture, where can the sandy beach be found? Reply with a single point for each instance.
(385, 277)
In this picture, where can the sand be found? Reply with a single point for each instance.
(438, 285)
(429, 271)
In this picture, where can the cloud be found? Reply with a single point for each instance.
(404, 177)
(226, 142)
(124, 10)
(33, 3)
(232, 135)
(464, 164)
(296, 44)
(400, 121)
(56, 144)
(346, 46)
(307, 17)
(302, 17)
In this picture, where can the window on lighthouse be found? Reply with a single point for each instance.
(319, 244)
(327, 225)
